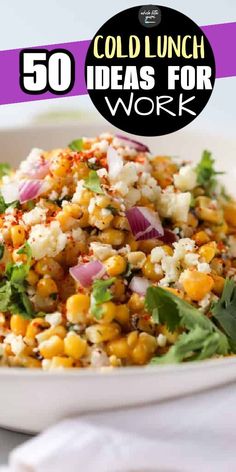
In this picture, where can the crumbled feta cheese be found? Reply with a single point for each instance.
(30, 161)
(205, 302)
(35, 216)
(136, 259)
(122, 188)
(161, 340)
(158, 269)
(128, 174)
(102, 173)
(183, 246)
(54, 319)
(191, 259)
(203, 267)
(64, 192)
(132, 197)
(174, 205)
(169, 266)
(100, 146)
(99, 358)
(105, 212)
(46, 240)
(157, 253)
(78, 234)
(186, 179)
(92, 205)
(16, 342)
(148, 187)
(78, 192)
(102, 251)
(53, 195)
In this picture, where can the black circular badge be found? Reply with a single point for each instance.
(150, 70)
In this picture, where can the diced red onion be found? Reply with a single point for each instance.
(114, 162)
(139, 285)
(10, 192)
(30, 189)
(86, 273)
(144, 223)
(169, 237)
(133, 144)
(39, 169)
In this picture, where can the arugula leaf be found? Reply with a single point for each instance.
(93, 182)
(101, 294)
(1, 250)
(76, 145)
(224, 311)
(206, 173)
(5, 169)
(167, 308)
(198, 344)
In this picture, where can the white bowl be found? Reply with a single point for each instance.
(32, 400)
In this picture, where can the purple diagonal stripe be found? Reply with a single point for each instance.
(222, 38)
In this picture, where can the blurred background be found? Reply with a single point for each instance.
(27, 23)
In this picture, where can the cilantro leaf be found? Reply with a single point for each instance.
(224, 311)
(1, 250)
(112, 209)
(76, 145)
(4, 206)
(5, 169)
(13, 295)
(167, 308)
(198, 344)
(162, 308)
(101, 294)
(93, 182)
(206, 173)
(5, 295)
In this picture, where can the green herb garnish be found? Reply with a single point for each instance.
(100, 294)
(5, 169)
(93, 165)
(4, 205)
(224, 311)
(76, 145)
(93, 182)
(30, 205)
(1, 250)
(224, 194)
(112, 209)
(206, 173)
(13, 296)
(202, 340)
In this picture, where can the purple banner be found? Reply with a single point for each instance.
(10, 91)
(222, 38)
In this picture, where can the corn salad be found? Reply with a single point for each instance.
(95, 239)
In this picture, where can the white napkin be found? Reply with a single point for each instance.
(195, 433)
